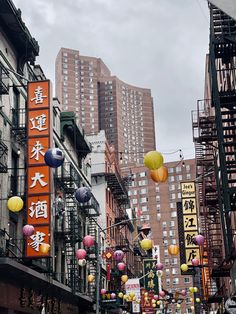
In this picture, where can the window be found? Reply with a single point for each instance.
(172, 187)
(172, 196)
(186, 280)
(165, 243)
(187, 168)
(172, 205)
(172, 233)
(172, 223)
(174, 261)
(175, 281)
(142, 174)
(167, 271)
(170, 170)
(173, 241)
(144, 208)
(179, 177)
(167, 281)
(134, 201)
(164, 224)
(158, 207)
(178, 169)
(164, 233)
(167, 261)
(188, 176)
(143, 200)
(179, 195)
(171, 179)
(173, 214)
(143, 191)
(166, 253)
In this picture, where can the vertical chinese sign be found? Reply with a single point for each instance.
(39, 126)
(188, 223)
(150, 275)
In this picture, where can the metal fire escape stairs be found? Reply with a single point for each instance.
(223, 87)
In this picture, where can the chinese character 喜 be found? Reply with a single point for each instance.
(38, 95)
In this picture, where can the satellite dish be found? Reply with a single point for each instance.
(230, 306)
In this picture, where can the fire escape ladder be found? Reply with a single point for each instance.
(3, 157)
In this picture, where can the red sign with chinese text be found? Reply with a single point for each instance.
(39, 175)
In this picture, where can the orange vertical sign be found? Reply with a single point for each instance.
(39, 175)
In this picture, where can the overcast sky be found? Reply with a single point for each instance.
(157, 44)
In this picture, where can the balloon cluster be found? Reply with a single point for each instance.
(153, 160)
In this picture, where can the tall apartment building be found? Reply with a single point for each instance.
(103, 102)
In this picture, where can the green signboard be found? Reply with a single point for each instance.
(150, 273)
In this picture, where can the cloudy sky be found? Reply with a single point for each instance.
(158, 44)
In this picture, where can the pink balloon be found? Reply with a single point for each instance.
(183, 292)
(199, 239)
(195, 262)
(88, 241)
(155, 297)
(162, 294)
(121, 266)
(28, 230)
(81, 254)
(113, 295)
(159, 266)
(103, 291)
(118, 255)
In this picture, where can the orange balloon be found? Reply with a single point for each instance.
(173, 249)
(160, 174)
(44, 248)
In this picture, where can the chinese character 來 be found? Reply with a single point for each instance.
(37, 150)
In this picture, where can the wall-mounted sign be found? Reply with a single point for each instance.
(39, 176)
(150, 275)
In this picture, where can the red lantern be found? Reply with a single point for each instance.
(118, 255)
(103, 291)
(199, 239)
(121, 266)
(183, 292)
(81, 254)
(160, 174)
(195, 261)
(88, 241)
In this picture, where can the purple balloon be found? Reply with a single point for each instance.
(199, 239)
(118, 255)
(159, 266)
(28, 230)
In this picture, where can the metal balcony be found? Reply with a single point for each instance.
(4, 77)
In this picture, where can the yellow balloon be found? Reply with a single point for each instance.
(131, 294)
(198, 300)
(195, 289)
(44, 248)
(153, 160)
(15, 204)
(124, 278)
(120, 295)
(191, 289)
(158, 302)
(184, 267)
(153, 304)
(134, 298)
(146, 298)
(146, 244)
(91, 278)
(125, 297)
(153, 301)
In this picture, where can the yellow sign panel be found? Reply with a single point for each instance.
(188, 189)
(189, 237)
(190, 222)
(189, 206)
(190, 254)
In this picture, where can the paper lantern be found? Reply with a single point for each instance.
(195, 289)
(15, 204)
(159, 175)
(195, 261)
(156, 297)
(159, 273)
(82, 262)
(103, 291)
(125, 297)
(28, 230)
(88, 241)
(146, 244)
(158, 302)
(153, 304)
(198, 300)
(118, 255)
(120, 295)
(54, 157)
(192, 308)
(146, 294)
(124, 278)
(183, 292)
(184, 267)
(113, 295)
(44, 248)
(121, 266)
(81, 254)
(199, 239)
(162, 294)
(191, 289)
(153, 160)
(153, 301)
(131, 294)
(173, 249)
(178, 306)
(83, 194)
(91, 278)
(159, 266)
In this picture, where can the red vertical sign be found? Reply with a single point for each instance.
(39, 115)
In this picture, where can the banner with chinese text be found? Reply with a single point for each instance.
(39, 175)
(150, 275)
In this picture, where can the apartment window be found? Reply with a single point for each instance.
(164, 224)
(170, 170)
(174, 261)
(174, 271)
(158, 207)
(143, 200)
(167, 271)
(172, 233)
(188, 176)
(172, 187)
(65, 54)
(165, 243)
(187, 168)
(143, 191)
(175, 281)
(171, 179)
(166, 253)
(178, 169)
(172, 196)
(172, 223)
(172, 205)
(186, 280)
(144, 208)
(134, 201)
(142, 182)
(173, 214)
(142, 174)
(167, 281)
(179, 177)
(179, 195)
(167, 261)
(164, 233)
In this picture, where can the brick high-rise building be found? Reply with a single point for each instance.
(103, 102)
